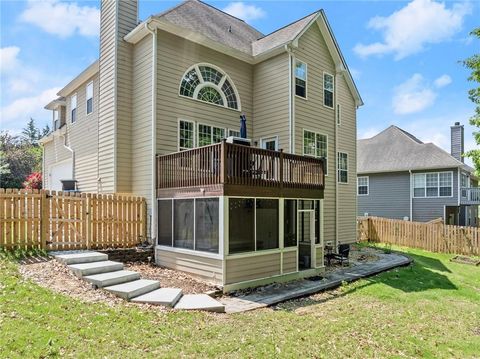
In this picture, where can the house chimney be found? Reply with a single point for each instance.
(457, 141)
(117, 19)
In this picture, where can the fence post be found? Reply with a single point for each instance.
(44, 219)
(87, 219)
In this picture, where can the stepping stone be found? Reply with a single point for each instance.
(85, 269)
(85, 257)
(112, 278)
(133, 289)
(200, 302)
(163, 296)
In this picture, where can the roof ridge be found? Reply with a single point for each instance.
(287, 25)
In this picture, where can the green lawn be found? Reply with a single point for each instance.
(431, 309)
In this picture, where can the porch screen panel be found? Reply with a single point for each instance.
(241, 231)
(206, 224)
(183, 223)
(290, 223)
(165, 223)
(267, 223)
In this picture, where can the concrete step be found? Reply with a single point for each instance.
(200, 302)
(133, 289)
(112, 278)
(163, 296)
(87, 269)
(83, 257)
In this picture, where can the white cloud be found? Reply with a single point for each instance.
(8, 58)
(443, 81)
(414, 95)
(244, 11)
(408, 30)
(63, 19)
(20, 110)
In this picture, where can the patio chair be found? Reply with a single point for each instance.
(341, 256)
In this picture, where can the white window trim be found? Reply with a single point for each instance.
(210, 84)
(347, 170)
(438, 187)
(306, 79)
(76, 108)
(265, 139)
(303, 146)
(368, 186)
(178, 134)
(333, 91)
(86, 98)
(211, 134)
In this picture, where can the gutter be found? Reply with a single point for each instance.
(153, 221)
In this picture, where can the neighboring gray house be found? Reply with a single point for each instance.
(401, 177)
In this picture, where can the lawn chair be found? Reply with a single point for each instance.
(341, 256)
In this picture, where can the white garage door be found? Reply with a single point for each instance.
(59, 171)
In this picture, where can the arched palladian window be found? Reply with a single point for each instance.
(208, 83)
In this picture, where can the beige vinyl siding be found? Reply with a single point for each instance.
(347, 133)
(270, 104)
(175, 56)
(251, 268)
(142, 119)
(208, 269)
(312, 115)
(289, 261)
(53, 152)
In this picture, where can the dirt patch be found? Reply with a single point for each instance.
(171, 278)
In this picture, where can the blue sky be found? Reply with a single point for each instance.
(404, 56)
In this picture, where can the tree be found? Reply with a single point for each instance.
(31, 134)
(45, 131)
(473, 63)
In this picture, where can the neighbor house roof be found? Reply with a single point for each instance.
(395, 150)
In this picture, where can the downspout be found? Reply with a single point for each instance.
(411, 196)
(153, 221)
(336, 154)
(73, 154)
(291, 112)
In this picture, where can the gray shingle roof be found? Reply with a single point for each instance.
(213, 23)
(397, 150)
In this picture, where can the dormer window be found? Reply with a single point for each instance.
(210, 84)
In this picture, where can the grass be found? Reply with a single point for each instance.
(430, 309)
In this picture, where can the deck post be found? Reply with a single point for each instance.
(223, 160)
(281, 169)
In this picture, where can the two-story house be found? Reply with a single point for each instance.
(150, 117)
(401, 177)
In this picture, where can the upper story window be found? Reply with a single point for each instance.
(73, 108)
(342, 167)
(208, 135)
(210, 84)
(300, 79)
(56, 120)
(434, 184)
(328, 90)
(316, 144)
(362, 186)
(234, 133)
(186, 135)
(89, 93)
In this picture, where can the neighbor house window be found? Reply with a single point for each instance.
(208, 135)
(362, 186)
(208, 84)
(316, 145)
(253, 224)
(73, 107)
(300, 79)
(186, 135)
(342, 167)
(433, 184)
(328, 90)
(89, 98)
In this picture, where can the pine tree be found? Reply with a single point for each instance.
(30, 133)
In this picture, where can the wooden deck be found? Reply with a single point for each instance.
(235, 170)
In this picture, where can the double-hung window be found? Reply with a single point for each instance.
(328, 90)
(208, 135)
(316, 145)
(73, 108)
(432, 184)
(300, 79)
(342, 167)
(89, 93)
(233, 133)
(186, 135)
(362, 186)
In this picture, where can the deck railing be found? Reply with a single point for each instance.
(470, 195)
(231, 164)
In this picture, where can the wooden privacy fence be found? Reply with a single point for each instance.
(66, 220)
(433, 236)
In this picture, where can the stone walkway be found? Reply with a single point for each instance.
(301, 288)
